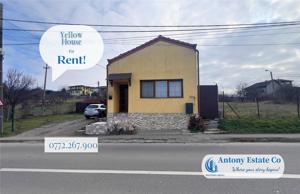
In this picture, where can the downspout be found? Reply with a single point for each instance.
(198, 84)
(107, 97)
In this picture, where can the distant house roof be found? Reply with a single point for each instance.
(265, 83)
(77, 86)
(258, 85)
(151, 42)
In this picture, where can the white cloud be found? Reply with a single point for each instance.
(227, 66)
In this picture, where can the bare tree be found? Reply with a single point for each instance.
(241, 92)
(16, 90)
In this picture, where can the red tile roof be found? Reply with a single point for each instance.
(151, 42)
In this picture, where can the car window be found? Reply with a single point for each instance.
(92, 106)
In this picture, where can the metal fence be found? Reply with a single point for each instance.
(258, 109)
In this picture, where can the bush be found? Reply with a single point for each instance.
(196, 124)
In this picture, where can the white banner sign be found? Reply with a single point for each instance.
(70, 47)
(242, 166)
(71, 144)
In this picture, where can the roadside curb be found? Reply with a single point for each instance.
(176, 140)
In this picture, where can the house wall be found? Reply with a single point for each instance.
(269, 88)
(159, 61)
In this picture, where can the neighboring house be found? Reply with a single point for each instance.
(154, 85)
(267, 88)
(95, 90)
(101, 91)
(80, 90)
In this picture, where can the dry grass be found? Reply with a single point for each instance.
(268, 110)
(22, 125)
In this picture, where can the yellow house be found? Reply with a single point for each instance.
(154, 85)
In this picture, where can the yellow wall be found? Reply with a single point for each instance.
(161, 60)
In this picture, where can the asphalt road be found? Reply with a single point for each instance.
(142, 157)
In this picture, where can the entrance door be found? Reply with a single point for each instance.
(123, 103)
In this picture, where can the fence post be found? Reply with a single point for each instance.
(257, 106)
(236, 114)
(223, 105)
(298, 111)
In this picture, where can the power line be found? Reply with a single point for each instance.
(221, 45)
(255, 44)
(208, 33)
(197, 33)
(113, 41)
(20, 44)
(168, 30)
(202, 38)
(149, 26)
(200, 35)
(104, 67)
(183, 36)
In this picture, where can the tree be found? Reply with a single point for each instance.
(56, 99)
(16, 90)
(241, 92)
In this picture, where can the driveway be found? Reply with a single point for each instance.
(67, 128)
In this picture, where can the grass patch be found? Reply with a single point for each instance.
(268, 110)
(232, 125)
(22, 125)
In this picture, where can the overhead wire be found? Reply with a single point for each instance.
(149, 26)
(167, 30)
(246, 27)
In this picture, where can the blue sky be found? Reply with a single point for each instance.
(227, 66)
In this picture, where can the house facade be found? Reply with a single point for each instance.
(267, 88)
(98, 91)
(154, 85)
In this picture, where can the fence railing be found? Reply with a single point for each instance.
(259, 109)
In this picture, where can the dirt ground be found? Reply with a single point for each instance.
(67, 128)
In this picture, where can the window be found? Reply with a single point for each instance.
(147, 88)
(161, 89)
(175, 88)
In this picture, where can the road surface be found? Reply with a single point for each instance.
(28, 164)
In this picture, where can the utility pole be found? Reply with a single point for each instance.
(223, 105)
(271, 74)
(298, 104)
(1, 68)
(45, 82)
(257, 107)
(98, 89)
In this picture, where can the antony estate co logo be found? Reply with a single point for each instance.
(243, 166)
(210, 165)
(70, 47)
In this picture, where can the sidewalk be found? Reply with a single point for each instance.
(177, 136)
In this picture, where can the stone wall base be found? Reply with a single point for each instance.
(152, 121)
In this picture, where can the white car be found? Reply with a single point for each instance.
(95, 110)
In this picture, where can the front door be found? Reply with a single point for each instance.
(123, 98)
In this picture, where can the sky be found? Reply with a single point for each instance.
(227, 66)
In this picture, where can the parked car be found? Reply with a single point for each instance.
(95, 110)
